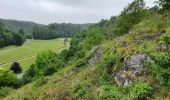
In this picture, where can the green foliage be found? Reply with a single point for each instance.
(104, 70)
(110, 92)
(55, 30)
(40, 82)
(4, 91)
(42, 63)
(166, 37)
(12, 38)
(130, 16)
(141, 90)
(79, 89)
(47, 63)
(1, 26)
(159, 65)
(65, 55)
(7, 78)
(164, 4)
(29, 74)
(162, 74)
(76, 43)
(162, 59)
(108, 26)
(94, 37)
(148, 26)
(84, 41)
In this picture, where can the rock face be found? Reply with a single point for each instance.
(97, 53)
(133, 67)
(162, 47)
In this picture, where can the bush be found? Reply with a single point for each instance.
(79, 89)
(29, 74)
(110, 92)
(104, 70)
(16, 68)
(162, 59)
(166, 37)
(93, 38)
(65, 55)
(147, 26)
(141, 90)
(130, 16)
(4, 91)
(47, 63)
(42, 62)
(8, 78)
(40, 82)
(161, 74)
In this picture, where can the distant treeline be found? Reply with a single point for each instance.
(13, 32)
(10, 38)
(56, 30)
(40, 31)
(15, 25)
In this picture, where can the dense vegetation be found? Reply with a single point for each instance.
(11, 38)
(13, 32)
(137, 30)
(55, 30)
(15, 25)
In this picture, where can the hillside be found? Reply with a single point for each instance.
(27, 26)
(16, 25)
(98, 80)
(124, 58)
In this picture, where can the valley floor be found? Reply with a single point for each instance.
(26, 54)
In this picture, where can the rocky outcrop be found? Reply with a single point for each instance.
(132, 69)
(150, 36)
(162, 47)
(97, 53)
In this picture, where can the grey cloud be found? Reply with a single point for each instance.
(74, 11)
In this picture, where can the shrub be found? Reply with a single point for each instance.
(104, 69)
(29, 74)
(4, 91)
(147, 26)
(78, 88)
(8, 78)
(65, 55)
(166, 38)
(93, 38)
(131, 15)
(162, 59)
(80, 62)
(161, 74)
(40, 82)
(42, 62)
(141, 90)
(16, 68)
(110, 92)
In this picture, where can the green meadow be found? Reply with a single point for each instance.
(30, 48)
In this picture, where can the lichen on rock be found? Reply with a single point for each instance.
(133, 67)
(97, 52)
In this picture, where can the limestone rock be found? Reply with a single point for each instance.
(162, 47)
(133, 67)
(97, 53)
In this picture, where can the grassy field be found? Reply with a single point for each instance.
(30, 48)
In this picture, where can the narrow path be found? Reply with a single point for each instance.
(27, 57)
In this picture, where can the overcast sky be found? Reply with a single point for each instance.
(62, 11)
